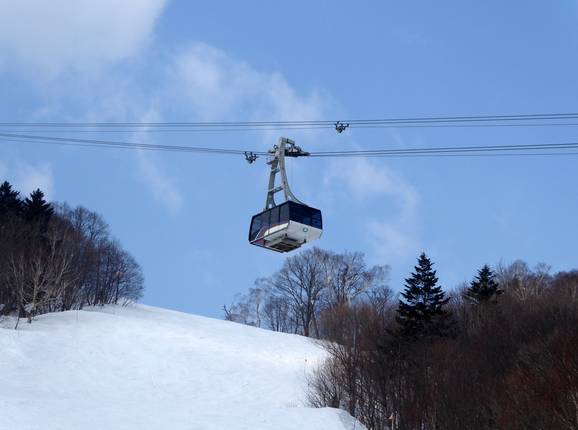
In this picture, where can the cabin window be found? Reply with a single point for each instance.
(274, 220)
(284, 213)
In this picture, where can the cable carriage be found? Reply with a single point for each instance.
(289, 225)
(286, 227)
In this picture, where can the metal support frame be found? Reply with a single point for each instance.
(340, 127)
(284, 148)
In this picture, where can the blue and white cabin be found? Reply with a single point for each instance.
(286, 227)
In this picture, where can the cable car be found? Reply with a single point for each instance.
(284, 227)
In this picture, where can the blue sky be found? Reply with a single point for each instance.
(185, 217)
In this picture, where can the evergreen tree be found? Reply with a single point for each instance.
(483, 288)
(9, 200)
(35, 208)
(422, 313)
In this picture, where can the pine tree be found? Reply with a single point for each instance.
(9, 200)
(483, 288)
(422, 314)
(35, 208)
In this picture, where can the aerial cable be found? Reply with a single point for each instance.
(251, 156)
(125, 145)
(339, 124)
(166, 130)
(467, 154)
(447, 149)
(461, 125)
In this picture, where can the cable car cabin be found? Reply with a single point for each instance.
(286, 227)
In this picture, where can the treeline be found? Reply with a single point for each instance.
(309, 286)
(498, 353)
(56, 258)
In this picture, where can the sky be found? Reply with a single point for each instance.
(185, 217)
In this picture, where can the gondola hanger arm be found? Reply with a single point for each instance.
(284, 148)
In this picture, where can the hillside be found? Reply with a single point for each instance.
(147, 368)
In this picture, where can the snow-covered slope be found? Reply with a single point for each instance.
(147, 368)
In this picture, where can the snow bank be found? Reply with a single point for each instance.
(147, 368)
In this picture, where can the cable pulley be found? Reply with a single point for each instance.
(340, 127)
(250, 157)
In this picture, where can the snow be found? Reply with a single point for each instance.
(141, 367)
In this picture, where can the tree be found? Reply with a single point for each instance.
(36, 208)
(247, 308)
(301, 281)
(423, 314)
(483, 288)
(9, 200)
(516, 368)
(277, 313)
(520, 281)
(347, 277)
(55, 258)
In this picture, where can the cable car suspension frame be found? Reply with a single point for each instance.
(284, 148)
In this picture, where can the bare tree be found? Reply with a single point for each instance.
(515, 368)
(277, 313)
(301, 281)
(309, 284)
(62, 260)
(348, 277)
(522, 282)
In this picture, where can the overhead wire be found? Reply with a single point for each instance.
(170, 130)
(68, 141)
(477, 154)
(447, 149)
(517, 120)
(494, 120)
(279, 128)
(479, 150)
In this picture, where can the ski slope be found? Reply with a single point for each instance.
(141, 367)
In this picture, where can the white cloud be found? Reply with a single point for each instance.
(393, 239)
(208, 84)
(365, 179)
(29, 177)
(393, 233)
(219, 86)
(49, 37)
(159, 183)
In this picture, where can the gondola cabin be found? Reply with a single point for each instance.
(286, 227)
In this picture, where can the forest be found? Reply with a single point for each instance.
(499, 352)
(57, 258)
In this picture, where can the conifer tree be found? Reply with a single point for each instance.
(422, 314)
(9, 200)
(483, 288)
(36, 208)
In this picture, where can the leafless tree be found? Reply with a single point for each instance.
(301, 281)
(521, 281)
(348, 277)
(61, 263)
(516, 367)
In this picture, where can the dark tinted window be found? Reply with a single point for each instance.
(255, 226)
(305, 215)
(284, 213)
(316, 219)
(265, 220)
(274, 220)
